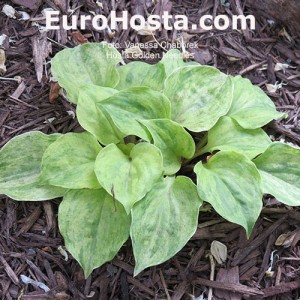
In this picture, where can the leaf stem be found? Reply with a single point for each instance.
(199, 149)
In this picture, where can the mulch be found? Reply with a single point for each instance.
(262, 267)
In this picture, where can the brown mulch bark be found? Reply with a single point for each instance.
(30, 243)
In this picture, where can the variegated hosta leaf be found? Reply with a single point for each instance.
(164, 221)
(232, 185)
(172, 140)
(173, 59)
(129, 106)
(69, 162)
(92, 63)
(279, 167)
(141, 74)
(94, 227)
(251, 107)
(20, 167)
(199, 96)
(95, 120)
(227, 134)
(129, 176)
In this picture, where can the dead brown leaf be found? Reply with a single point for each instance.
(54, 92)
(78, 38)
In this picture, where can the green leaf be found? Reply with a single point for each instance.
(94, 227)
(129, 106)
(69, 162)
(199, 96)
(141, 74)
(92, 63)
(232, 185)
(279, 167)
(94, 119)
(164, 221)
(172, 60)
(228, 135)
(251, 107)
(20, 167)
(172, 140)
(129, 178)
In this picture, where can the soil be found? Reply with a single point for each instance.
(30, 243)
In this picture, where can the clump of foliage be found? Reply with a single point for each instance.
(119, 178)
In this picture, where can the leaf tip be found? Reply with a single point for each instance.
(137, 270)
(87, 272)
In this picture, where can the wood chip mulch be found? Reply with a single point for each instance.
(30, 243)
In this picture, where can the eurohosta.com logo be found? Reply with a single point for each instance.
(153, 22)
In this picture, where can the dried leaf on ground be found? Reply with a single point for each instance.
(41, 50)
(2, 62)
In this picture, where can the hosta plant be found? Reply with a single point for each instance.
(145, 125)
